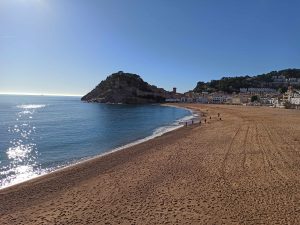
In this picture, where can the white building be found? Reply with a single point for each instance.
(294, 81)
(218, 99)
(267, 101)
(295, 101)
(202, 99)
(292, 96)
(236, 100)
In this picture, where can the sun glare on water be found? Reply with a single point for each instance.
(22, 151)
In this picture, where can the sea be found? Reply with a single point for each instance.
(40, 134)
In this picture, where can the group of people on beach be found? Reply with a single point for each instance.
(219, 116)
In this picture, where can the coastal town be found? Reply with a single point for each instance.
(252, 96)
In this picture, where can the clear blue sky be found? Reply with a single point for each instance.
(69, 46)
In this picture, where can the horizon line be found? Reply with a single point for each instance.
(40, 94)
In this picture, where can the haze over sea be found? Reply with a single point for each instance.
(41, 133)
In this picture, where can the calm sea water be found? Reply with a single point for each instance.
(39, 134)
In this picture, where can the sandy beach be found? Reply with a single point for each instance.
(243, 169)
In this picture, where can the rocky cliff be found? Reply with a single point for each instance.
(125, 88)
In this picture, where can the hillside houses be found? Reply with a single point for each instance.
(282, 80)
(292, 97)
(264, 96)
(258, 91)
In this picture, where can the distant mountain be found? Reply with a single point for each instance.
(125, 88)
(273, 79)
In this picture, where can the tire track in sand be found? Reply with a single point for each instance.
(244, 148)
(264, 145)
(229, 149)
(279, 155)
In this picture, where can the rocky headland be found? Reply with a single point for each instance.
(126, 88)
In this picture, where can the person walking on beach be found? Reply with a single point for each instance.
(218, 114)
(204, 120)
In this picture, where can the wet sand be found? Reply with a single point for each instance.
(243, 169)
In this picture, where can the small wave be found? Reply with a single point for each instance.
(165, 129)
(156, 133)
(31, 106)
(188, 118)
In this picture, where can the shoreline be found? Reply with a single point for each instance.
(242, 168)
(61, 172)
(173, 127)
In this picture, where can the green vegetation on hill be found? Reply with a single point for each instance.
(233, 84)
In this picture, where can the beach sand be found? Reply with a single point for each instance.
(243, 169)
